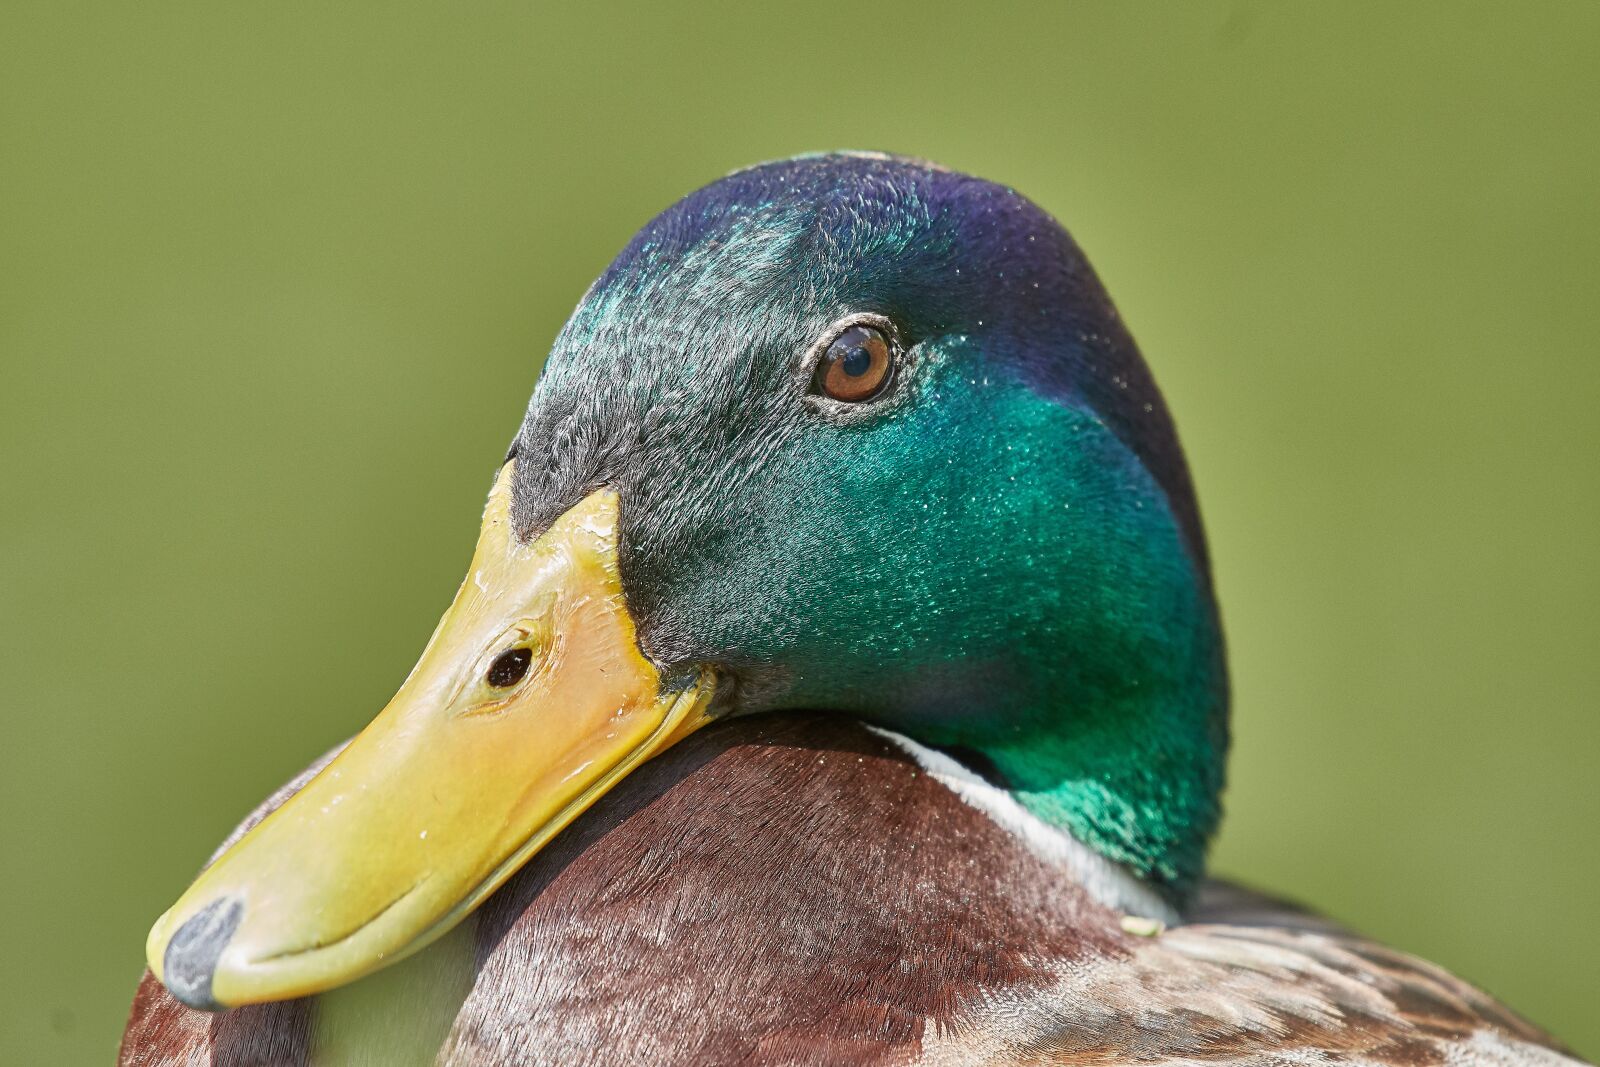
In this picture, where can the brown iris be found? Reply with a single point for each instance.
(856, 366)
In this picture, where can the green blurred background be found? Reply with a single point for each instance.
(276, 283)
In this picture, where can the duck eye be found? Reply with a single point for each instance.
(856, 366)
(509, 667)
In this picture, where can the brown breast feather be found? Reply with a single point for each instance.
(783, 890)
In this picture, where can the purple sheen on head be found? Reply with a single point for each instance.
(944, 253)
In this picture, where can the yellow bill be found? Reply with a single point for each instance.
(531, 700)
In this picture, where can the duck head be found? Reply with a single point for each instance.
(847, 433)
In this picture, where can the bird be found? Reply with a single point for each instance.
(838, 679)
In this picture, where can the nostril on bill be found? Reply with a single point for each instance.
(192, 954)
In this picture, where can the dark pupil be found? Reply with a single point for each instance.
(509, 667)
(857, 361)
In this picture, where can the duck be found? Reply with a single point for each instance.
(838, 678)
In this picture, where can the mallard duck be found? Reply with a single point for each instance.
(838, 679)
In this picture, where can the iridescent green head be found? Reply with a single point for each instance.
(882, 447)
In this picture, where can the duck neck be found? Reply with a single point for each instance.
(1130, 765)
(1111, 883)
(1137, 779)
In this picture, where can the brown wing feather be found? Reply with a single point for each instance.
(1249, 981)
